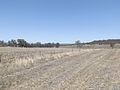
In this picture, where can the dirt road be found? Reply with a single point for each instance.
(88, 70)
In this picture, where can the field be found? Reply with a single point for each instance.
(59, 69)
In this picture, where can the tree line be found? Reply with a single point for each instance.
(109, 41)
(24, 43)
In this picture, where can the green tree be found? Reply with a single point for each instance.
(12, 43)
(22, 43)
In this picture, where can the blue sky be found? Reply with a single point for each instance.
(59, 20)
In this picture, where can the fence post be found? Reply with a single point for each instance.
(0, 58)
(79, 49)
(72, 50)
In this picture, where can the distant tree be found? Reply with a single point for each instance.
(12, 43)
(38, 44)
(78, 43)
(57, 45)
(32, 45)
(22, 43)
(49, 45)
(2, 43)
(9, 43)
(53, 44)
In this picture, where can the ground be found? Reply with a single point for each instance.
(87, 69)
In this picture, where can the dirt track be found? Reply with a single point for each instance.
(88, 70)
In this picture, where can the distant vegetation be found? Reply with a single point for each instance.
(78, 44)
(24, 43)
(109, 41)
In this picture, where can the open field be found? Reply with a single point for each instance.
(59, 69)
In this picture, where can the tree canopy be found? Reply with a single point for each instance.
(24, 43)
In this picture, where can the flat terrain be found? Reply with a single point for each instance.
(87, 69)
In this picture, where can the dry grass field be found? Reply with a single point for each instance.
(59, 69)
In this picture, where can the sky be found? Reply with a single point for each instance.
(63, 21)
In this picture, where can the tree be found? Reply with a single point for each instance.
(2, 43)
(57, 45)
(12, 43)
(38, 44)
(78, 43)
(53, 44)
(22, 43)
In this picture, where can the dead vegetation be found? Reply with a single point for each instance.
(59, 69)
